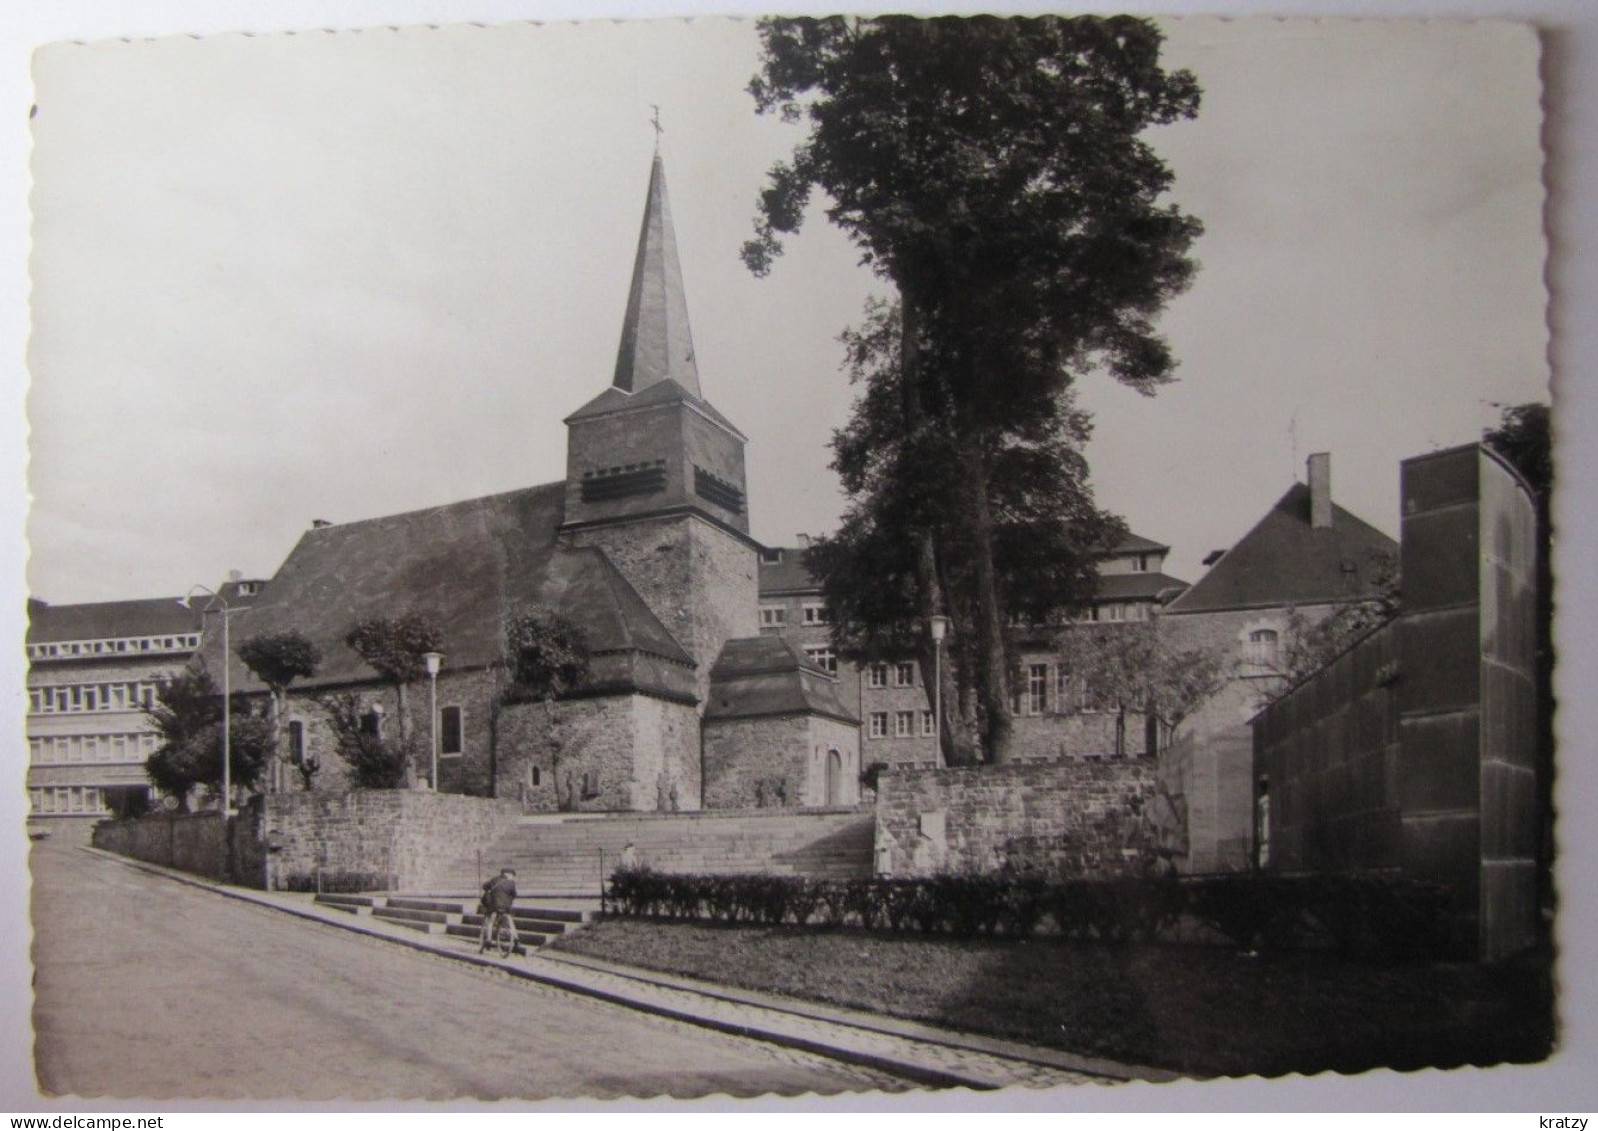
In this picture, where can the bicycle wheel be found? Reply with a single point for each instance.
(504, 934)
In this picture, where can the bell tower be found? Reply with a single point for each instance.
(654, 473)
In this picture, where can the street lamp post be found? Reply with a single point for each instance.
(434, 661)
(939, 627)
(227, 727)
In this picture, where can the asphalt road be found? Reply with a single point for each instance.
(149, 988)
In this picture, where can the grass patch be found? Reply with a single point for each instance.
(1200, 1010)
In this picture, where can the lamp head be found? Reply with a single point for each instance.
(434, 661)
(939, 625)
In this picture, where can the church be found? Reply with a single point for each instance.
(645, 546)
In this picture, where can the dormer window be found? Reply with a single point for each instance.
(771, 556)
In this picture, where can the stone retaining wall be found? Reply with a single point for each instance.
(199, 843)
(391, 838)
(1078, 817)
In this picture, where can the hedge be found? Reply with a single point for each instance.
(1366, 915)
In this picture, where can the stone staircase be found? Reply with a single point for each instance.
(457, 917)
(561, 855)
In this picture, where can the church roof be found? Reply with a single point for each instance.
(660, 393)
(465, 566)
(767, 675)
(1286, 561)
(655, 341)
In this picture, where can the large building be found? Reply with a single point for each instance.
(1054, 718)
(645, 546)
(1306, 558)
(92, 670)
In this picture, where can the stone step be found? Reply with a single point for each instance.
(408, 904)
(409, 916)
(345, 902)
(524, 923)
(462, 931)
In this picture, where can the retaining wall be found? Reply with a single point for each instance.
(228, 850)
(1079, 817)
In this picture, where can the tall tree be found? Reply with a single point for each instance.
(187, 715)
(394, 648)
(278, 659)
(994, 170)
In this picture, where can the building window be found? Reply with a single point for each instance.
(771, 556)
(904, 724)
(1037, 688)
(879, 724)
(927, 728)
(773, 616)
(1141, 565)
(904, 674)
(451, 731)
(1261, 648)
(816, 612)
(1113, 612)
(877, 675)
(824, 658)
(296, 741)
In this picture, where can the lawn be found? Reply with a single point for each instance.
(1199, 1010)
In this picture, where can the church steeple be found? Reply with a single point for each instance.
(655, 341)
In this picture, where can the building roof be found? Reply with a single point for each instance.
(465, 566)
(1137, 544)
(766, 675)
(1137, 586)
(1285, 561)
(788, 575)
(662, 392)
(105, 620)
(655, 341)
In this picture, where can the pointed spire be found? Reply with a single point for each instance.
(655, 341)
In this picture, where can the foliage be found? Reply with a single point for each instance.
(393, 647)
(1133, 668)
(277, 659)
(375, 760)
(1309, 645)
(1524, 437)
(995, 171)
(187, 715)
(546, 654)
(336, 882)
(1371, 917)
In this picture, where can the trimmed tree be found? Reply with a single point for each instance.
(996, 172)
(277, 659)
(546, 654)
(187, 714)
(393, 647)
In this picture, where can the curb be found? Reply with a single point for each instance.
(896, 1066)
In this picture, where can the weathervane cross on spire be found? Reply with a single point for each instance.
(655, 121)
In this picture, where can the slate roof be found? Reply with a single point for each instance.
(1137, 544)
(662, 392)
(1285, 561)
(465, 565)
(787, 576)
(1137, 586)
(766, 675)
(656, 344)
(103, 620)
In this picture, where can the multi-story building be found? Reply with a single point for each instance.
(92, 670)
(1053, 717)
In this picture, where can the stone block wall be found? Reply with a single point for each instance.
(608, 753)
(227, 850)
(779, 761)
(1081, 817)
(407, 837)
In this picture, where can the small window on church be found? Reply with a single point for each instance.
(451, 731)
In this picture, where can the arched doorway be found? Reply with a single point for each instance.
(834, 777)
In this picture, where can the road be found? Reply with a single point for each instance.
(145, 987)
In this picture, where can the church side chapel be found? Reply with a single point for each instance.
(644, 547)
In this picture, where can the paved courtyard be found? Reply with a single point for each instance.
(179, 992)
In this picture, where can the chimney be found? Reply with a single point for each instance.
(1320, 491)
(235, 575)
(320, 524)
(804, 541)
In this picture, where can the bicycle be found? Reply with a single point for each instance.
(499, 933)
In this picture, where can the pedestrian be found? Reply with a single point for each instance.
(499, 895)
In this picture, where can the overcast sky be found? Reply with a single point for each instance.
(287, 277)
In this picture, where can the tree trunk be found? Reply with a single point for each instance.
(954, 749)
(411, 779)
(992, 670)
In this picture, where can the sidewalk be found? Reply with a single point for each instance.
(929, 1056)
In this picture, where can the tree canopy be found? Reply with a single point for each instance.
(187, 715)
(996, 173)
(395, 648)
(278, 659)
(546, 654)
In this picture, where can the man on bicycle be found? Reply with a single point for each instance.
(499, 894)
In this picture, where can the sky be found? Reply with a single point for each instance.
(279, 278)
